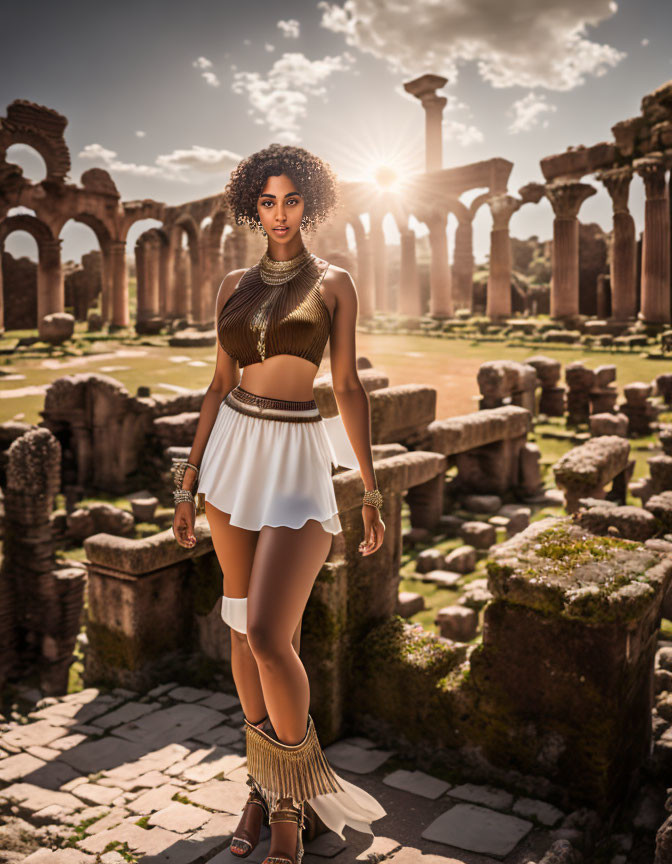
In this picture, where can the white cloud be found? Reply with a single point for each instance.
(516, 43)
(140, 133)
(465, 135)
(269, 47)
(203, 159)
(290, 28)
(280, 97)
(528, 112)
(178, 165)
(210, 77)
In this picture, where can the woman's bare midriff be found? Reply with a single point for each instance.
(282, 376)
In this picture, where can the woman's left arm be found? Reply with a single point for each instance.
(353, 400)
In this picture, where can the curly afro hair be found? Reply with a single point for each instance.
(313, 177)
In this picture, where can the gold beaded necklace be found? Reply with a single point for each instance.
(274, 272)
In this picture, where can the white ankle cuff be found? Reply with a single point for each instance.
(234, 612)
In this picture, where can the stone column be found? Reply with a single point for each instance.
(152, 275)
(206, 274)
(119, 278)
(566, 198)
(50, 288)
(463, 265)
(196, 275)
(140, 279)
(216, 273)
(424, 88)
(440, 294)
(502, 208)
(106, 283)
(379, 251)
(622, 260)
(410, 302)
(433, 106)
(164, 278)
(180, 283)
(172, 283)
(365, 277)
(656, 244)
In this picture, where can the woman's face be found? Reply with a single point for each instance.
(280, 205)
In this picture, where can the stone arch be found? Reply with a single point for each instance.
(49, 277)
(34, 173)
(105, 242)
(41, 128)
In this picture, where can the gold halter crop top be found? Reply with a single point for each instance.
(259, 320)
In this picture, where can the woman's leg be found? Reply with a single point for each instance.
(235, 548)
(286, 563)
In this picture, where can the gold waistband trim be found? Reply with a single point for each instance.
(268, 402)
(300, 770)
(254, 408)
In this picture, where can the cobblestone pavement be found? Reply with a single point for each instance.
(159, 778)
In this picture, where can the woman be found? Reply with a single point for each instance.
(262, 458)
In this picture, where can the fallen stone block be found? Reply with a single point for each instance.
(480, 535)
(585, 470)
(457, 622)
(409, 603)
(632, 523)
(461, 560)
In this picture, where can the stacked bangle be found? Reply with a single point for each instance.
(178, 469)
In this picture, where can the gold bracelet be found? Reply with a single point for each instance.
(373, 496)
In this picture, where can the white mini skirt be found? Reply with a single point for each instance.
(268, 462)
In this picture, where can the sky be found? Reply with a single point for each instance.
(169, 96)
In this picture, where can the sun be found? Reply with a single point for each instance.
(383, 153)
(387, 178)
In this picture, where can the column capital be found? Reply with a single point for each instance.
(567, 196)
(433, 102)
(617, 184)
(652, 169)
(502, 208)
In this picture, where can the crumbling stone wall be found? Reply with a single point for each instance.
(40, 604)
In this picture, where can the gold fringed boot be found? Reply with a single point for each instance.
(289, 772)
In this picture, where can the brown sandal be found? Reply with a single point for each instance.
(246, 840)
(288, 814)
